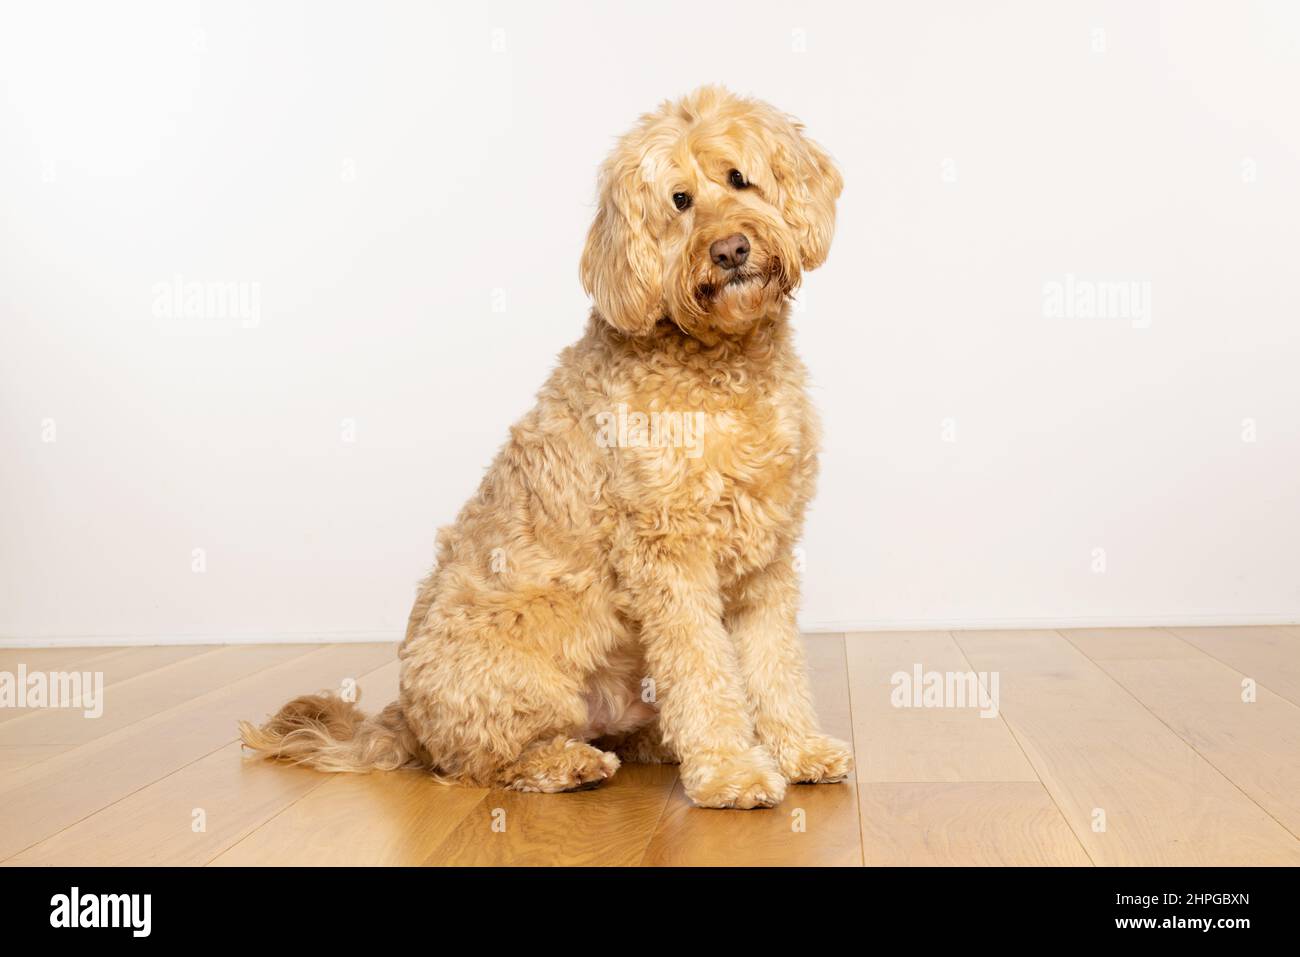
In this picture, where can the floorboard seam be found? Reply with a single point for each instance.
(659, 821)
(130, 724)
(326, 779)
(1228, 664)
(176, 770)
(853, 745)
(1033, 767)
(1102, 668)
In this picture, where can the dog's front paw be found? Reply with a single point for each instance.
(817, 759)
(743, 779)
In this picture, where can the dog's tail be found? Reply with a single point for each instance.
(325, 732)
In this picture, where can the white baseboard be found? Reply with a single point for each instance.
(264, 638)
(808, 627)
(1046, 624)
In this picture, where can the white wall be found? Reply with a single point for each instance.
(376, 173)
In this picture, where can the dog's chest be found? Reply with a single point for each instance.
(756, 462)
(725, 456)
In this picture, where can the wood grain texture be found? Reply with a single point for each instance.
(922, 743)
(44, 798)
(1147, 724)
(155, 826)
(967, 824)
(1270, 655)
(1098, 751)
(1253, 740)
(16, 757)
(117, 664)
(56, 659)
(235, 793)
(360, 820)
(138, 682)
(608, 827)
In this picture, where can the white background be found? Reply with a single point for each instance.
(386, 176)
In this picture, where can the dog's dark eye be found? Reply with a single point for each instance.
(737, 179)
(682, 200)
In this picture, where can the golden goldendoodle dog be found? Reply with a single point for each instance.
(623, 585)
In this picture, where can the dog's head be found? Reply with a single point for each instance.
(709, 211)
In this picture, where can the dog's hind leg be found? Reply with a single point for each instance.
(558, 764)
(497, 707)
(645, 745)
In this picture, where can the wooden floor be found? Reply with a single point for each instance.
(1119, 746)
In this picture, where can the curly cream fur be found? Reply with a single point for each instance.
(637, 599)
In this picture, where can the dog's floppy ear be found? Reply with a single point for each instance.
(810, 184)
(621, 266)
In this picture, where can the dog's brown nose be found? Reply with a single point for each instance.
(730, 253)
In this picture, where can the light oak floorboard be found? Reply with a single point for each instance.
(15, 758)
(361, 820)
(384, 818)
(236, 794)
(45, 798)
(1148, 726)
(966, 824)
(108, 660)
(1269, 654)
(142, 694)
(1097, 749)
(607, 827)
(909, 744)
(56, 659)
(1255, 743)
(157, 825)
